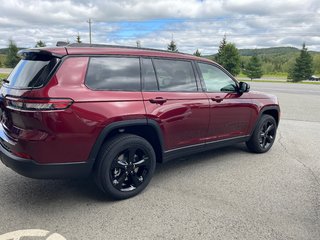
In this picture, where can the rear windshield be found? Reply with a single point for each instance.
(31, 73)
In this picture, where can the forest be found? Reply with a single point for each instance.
(276, 61)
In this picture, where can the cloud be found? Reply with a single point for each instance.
(192, 23)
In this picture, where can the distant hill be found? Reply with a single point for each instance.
(3, 50)
(276, 51)
(275, 59)
(269, 51)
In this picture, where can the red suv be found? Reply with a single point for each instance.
(113, 112)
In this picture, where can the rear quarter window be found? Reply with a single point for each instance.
(114, 73)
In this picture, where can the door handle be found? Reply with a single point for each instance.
(217, 99)
(158, 100)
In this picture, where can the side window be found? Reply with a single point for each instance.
(114, 73)
(149, 76)
(175, 76)
(215, 79)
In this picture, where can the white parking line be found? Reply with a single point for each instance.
(16, 235)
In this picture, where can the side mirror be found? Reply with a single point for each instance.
(244, 87)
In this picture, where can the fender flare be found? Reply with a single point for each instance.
(122, 124)
(262, 111)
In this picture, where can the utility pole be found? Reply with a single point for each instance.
(89, 21)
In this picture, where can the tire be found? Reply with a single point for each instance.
(125, 166)
(263, 136)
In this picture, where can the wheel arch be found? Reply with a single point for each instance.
(146, 128)
(274, 111)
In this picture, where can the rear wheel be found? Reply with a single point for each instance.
(125, 166)
(264, 135)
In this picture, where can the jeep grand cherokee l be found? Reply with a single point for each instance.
(113, 112)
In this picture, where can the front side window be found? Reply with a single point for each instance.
(216, 80)
(175, 75)
(114, 73)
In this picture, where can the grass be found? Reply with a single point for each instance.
(2, 59)
(3, 75)
(268, 75)
(274, 81)
(279, 75)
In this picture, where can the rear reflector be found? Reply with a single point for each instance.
(21, 155)
(36, 104)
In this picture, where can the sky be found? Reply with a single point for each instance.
(192, 24)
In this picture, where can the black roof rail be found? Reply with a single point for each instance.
(119, 46)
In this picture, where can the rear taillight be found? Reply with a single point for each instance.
(37, 104)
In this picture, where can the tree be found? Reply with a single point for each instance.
(40, 44)
(197, 53)
(78, 39)
(172, 47)
(316, 64)
(228, 56)
(254, 68)
(303, 67)
(12, 58)
(219, 56)
(230, 59)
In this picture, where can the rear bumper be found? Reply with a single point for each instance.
(29, 168)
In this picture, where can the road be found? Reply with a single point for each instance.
(5, 70)
(222, 194)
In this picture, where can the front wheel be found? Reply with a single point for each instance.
(125, 166)
(264, 135)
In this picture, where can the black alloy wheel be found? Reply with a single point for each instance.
(267, 134)
(129, 169)
(264, 135)
(125, 166)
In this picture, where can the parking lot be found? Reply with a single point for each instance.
(222, 194)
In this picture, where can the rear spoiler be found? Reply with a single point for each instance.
(34, 53)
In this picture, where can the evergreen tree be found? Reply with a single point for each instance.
(197, 53)
(303, 68)
(12, 59)
(78, 39)
(230, 59)
(40, 44)
(172, 47)
(254, 68)
(219, 56)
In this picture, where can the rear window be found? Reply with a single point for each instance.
(114, 73)
(30, 73)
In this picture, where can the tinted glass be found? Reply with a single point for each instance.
(215, 79)
(114, 73)
(149, 76)
(31, 73)
(174, 75)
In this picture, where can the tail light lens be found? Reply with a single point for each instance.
(36, 104)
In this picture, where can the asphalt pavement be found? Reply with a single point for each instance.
(222, 194)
